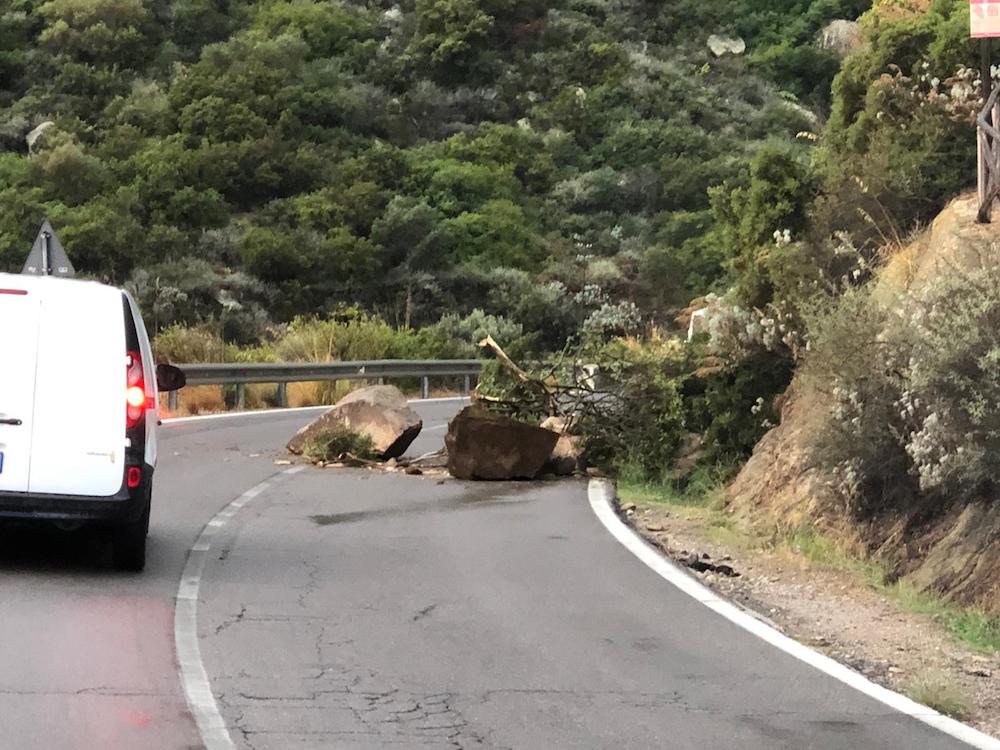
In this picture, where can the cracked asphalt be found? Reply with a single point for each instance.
(358, 610)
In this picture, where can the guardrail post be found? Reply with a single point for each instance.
(467, 386)
(283, 395)
(172, 401)
(425, 387)
(241, 395)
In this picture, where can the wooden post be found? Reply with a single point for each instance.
(982, 139)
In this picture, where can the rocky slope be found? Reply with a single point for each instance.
(952, 550)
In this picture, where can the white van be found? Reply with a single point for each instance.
(78, 408)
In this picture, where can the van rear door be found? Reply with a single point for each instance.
(78, 440)
(19, 310)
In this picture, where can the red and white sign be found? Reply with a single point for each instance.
(985, 18)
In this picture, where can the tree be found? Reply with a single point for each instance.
(102, 32)
(497, 234)
(450, 38)
(413, 245)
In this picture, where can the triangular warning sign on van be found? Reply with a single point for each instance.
(47, 257)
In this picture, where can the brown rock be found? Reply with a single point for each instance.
(379, 411)
(568, 456)
(483, 445)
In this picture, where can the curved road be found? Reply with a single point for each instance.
(353, 609)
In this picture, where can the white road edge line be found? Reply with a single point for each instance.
(601, 496)
(194, 678)
(295, 410)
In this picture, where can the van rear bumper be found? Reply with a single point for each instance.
(124, 506)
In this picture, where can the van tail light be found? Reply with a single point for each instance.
(133, 477)
(135, 390)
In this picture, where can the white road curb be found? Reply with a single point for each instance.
(601, 494)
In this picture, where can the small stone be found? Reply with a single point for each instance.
(414, 471)
(979, 672)
(628, 507)
(655, 528)
(282, 462)
(390, 464)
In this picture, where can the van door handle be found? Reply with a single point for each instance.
(11, 422)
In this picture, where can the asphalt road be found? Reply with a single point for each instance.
(353, 609)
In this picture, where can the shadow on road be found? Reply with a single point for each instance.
(34, 546)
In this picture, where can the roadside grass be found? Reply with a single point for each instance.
(698, 499)
(938, 691)
(971, 627)
(701, 500)
(824, 552)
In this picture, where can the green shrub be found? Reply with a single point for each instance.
(912, 380)
(338, 443)
(191, 345)
(734, 407)
(642, 422)
(342, 337)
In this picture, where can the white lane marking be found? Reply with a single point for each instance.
(600, 494)
(194, 678)
(295, 410)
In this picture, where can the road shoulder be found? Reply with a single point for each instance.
(827, 602)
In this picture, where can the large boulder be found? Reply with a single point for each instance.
(379, 411)
(483, 445)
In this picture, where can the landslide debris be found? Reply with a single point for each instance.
(380, 412)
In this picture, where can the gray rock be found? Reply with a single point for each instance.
(842, 37)
(379, 411)
(726, 45)
(32, 137)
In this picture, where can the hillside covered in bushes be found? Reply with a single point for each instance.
(320, 180)
(575, 166)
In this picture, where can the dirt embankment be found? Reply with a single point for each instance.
(953, 550)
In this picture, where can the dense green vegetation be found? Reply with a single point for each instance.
(285, 176)
(241, 162)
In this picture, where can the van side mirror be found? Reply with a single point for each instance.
(169, 378)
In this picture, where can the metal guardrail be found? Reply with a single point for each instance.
(283, 373)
